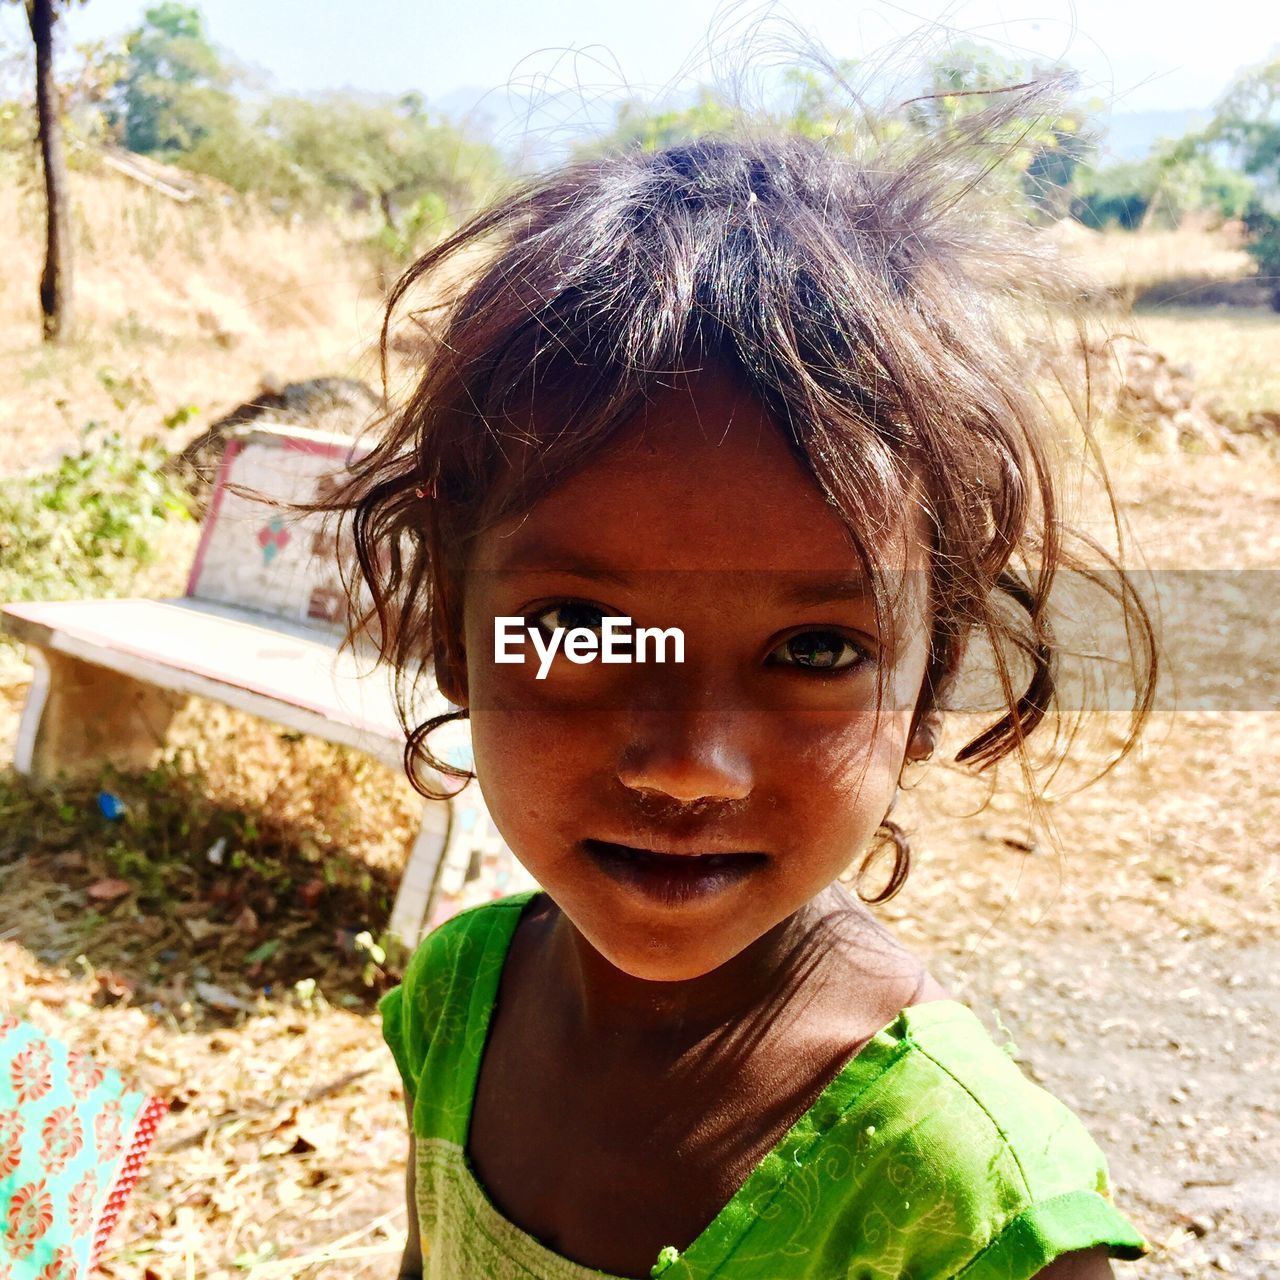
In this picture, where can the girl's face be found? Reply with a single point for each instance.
(678, 811)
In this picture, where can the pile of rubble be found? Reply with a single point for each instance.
(1124, 382)
(341, 405)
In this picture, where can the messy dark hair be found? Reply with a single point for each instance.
(876, 316)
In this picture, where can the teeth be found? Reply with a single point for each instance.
(690, 861)
(676, 859)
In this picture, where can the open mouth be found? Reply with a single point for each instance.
(672, 878)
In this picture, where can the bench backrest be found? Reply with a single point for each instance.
(257, 555)
(260, 556)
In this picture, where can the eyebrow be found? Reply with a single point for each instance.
(826, 590)
(546, 557)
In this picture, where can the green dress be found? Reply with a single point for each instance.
(928, 1156)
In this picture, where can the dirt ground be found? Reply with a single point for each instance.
(1134, 959)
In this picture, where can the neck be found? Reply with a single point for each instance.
(603, 1004)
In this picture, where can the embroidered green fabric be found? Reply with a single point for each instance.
(929, 1156)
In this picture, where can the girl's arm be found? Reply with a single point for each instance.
(411, 1261)
(1085, 1264)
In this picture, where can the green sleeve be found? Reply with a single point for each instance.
(1046, 1230)
(411, 1010)
(1017, 1158)
(428, 1021)
(391, 1007)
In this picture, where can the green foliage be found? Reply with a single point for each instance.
(1034, 157)
(1194, 182)
(87, 87)
(1117, 195)
(637, 125)
(387, 154)
(1177, 178)
(1248, 121)
(247, 159)
(175, 90)
(819, 105)
(17, 127)
(396, 245)
(813, 104)
(86, 526)
(1263, 226)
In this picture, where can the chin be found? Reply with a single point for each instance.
(663, 967)
(659, 951)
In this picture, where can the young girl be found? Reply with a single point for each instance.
(769, 402)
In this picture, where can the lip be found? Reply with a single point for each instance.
(673, 879)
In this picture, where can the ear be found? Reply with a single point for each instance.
(449, 660)
(925, 737)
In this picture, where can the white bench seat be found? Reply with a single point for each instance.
(284, 672)
(259, 629)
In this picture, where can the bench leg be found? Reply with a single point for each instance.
(413, 899)
(78, 717)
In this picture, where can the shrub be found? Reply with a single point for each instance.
(1263, 228)
(85, 527)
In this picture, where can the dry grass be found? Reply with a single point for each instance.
(197, 301)
(1125, 262)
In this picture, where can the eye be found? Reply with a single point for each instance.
(570, 614)
(819, 651)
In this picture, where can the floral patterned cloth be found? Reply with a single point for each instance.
(73, 1140)
(928, 1156)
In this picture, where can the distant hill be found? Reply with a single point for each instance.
(1131, 134)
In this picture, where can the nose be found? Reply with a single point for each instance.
(688, 756)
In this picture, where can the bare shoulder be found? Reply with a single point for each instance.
(930, 989)
(1084, 1264)
(873, 957)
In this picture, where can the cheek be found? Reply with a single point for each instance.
(538, 769)
(852, 762)
(519, 774)
(541, 746)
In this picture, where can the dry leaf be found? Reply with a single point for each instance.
(108, 890)
(220, 998)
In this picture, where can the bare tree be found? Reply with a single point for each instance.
(56, 303)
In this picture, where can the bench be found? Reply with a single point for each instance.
(259, 629)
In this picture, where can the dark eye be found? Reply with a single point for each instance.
(570, 614)
(819, 651)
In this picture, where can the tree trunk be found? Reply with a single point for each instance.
(55, 282)
(388, 208)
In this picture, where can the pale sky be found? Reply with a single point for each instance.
(1134, 54)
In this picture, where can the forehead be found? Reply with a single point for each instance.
(702, 480)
